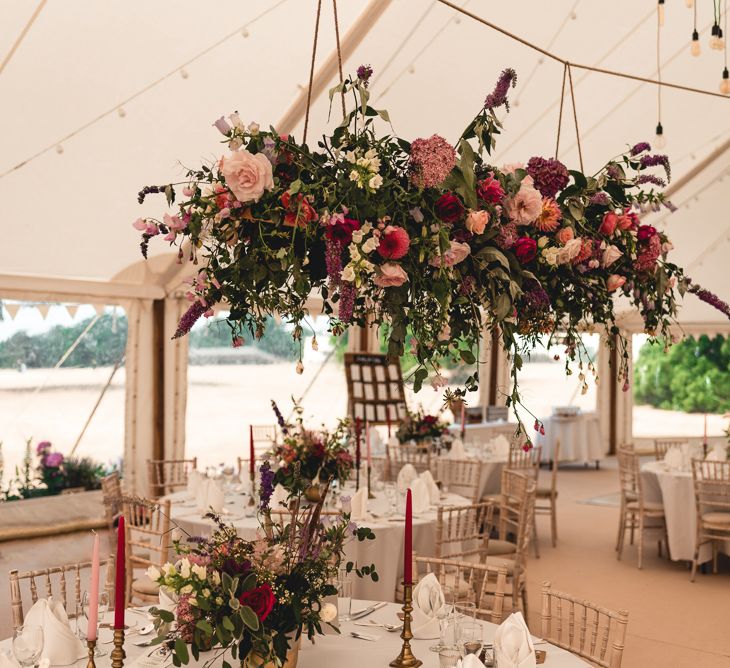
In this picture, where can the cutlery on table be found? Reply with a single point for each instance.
(388, 627)
(364, 613)
(363, 636)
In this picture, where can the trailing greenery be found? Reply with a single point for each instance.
(275, 340)
(693, 376)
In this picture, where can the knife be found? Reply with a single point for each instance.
(367, 611)
(363, 636)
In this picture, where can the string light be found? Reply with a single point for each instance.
(660, 13)
(660, 140)
(121, 112)
(184, 73)
(725, 81)
(245, 32)
(59, 149)
(695, 48)
(689, 3)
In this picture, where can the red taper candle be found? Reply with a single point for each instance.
(120, 588)
(387, 417)
(252, 463)
(408, 542)
(358, 430)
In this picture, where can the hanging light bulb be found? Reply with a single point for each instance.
(59, 149)
(689, 3)
(725, 83)
(660, 13)
(695, 48)
(184, 73)
(121, 112)
(245, 32)
(713, 36)
(660, 140)
(720, 40)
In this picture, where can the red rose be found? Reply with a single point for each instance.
(646, 232)
(490, 190)
(342, 230)
(628, 221)
(525, 249)
(260, 599)
(608, 224)
(449, 208)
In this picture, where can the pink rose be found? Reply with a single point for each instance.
(564, 235)
(247, 175)
(476, 221)
(629, 220)
(614, 282)
(455, 254)
(570, 251)
(608, 224)
(391, 275)
(610, 255)
(525, 206)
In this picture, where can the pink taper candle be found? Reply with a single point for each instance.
(94, 591)
(408, 543)
(387, 416)
(463, 417)
(252, 463)
(367, 444)
(120, 588)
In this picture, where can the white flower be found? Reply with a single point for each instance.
(185, 568)
(168, 569)
(368, 267)
(375, 182)
(236, 121)
(542, 242)
(253, 128)
(357, 237)
(351, 157)
(354, 175)
(328, 613)
(366, 227)
(215, 578)
(370, 245)
(193, 601)
(438, 382)
(218, 600)
(199, 572)
(235, 143)
(348, 274)
(187, 589)
(153, 573)
(354, 253)
(551, 255)
(206, 593)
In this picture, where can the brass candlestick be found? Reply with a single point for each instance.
(91, 644)
(406, 659)
(118, 654)
(370, 491)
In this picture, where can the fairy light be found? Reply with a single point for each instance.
(660, 13)
(725, 81)
(121, 113)
(184, 73)
(245, 33)
(689, 3)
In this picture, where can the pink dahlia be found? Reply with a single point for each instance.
(550, 216)
(525, 206)
(431, 161)
(393, 243)
(548, 174)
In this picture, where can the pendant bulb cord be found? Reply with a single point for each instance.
(658, 69)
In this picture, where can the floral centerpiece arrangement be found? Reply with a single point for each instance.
(309, 458)
(421, 425)
(422, 236)
(251, 600)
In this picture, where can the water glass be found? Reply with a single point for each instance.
(449, 657)
(103, 607)
(391, 494)
(470, 636)
(344, 595)
(447, 622)
(28, 645)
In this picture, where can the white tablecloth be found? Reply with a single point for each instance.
(675, 490)
(386, 551)
(579, 436)
(329, 651)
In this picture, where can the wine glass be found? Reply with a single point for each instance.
(391, 494)
(470, 636)
(102, 606)
(447, 621)
(28, 645)
(344, 595)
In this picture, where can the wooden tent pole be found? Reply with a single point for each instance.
(158, 382)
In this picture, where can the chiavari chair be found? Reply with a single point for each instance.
(712, 497)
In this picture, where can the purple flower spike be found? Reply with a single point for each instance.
(364, 72)
(640, 148)
(650, 178)
(709, 298)
(656, 161)
(189, 318)
(266, 486)
(498, 97)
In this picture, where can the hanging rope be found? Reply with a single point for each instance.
(96, 405)
(311, 70)
(575, 116)
(560, 113)
(22, 35)
(339, 57)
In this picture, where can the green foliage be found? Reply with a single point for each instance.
(693, 376)
(276, 340)
(102, 346)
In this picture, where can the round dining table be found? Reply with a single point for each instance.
(386, 551)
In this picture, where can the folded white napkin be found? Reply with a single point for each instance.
(194, 480)
(168, 599)
(359, 504)
(513, 644)
(673, 458)
(201, 494)
(406, 476)
(457, 449)
(428, 599)
(60, 646)
(500, 447)
(717, 454)
(434, 494)
(420, 496)
(216, 498)
(470, 661)
(377, 446)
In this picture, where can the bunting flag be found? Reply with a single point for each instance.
(99, 308)
(12, 308)
(72, 309)
(43, 309)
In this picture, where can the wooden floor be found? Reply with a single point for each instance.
(672, 622)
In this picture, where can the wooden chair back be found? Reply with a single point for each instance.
(406, 453)
(169, 475)
(147, 535)
(460, 475)
(525, 461)
(463, 531)
(712, 494)
(583, 628)
(266, 434)
(663, 445)
(629, 473)
(381, 468)
(481, 584)
(63, 583)
(517, 511)
(111, 490)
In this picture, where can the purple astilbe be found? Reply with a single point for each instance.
(536, 299)
(656, 161)
(640, 148)
(709, 298)
(498, 97)
(347, 302)
(189, 318)
(266, 485)
(600, 199)
(279, 418)
(550, 175)
(364, 72)
(650, 178)
(333, 260)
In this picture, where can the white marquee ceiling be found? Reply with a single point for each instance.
(70, 214)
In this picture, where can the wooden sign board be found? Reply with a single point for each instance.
(374, 388)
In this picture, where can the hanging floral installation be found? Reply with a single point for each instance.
(424, 238)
